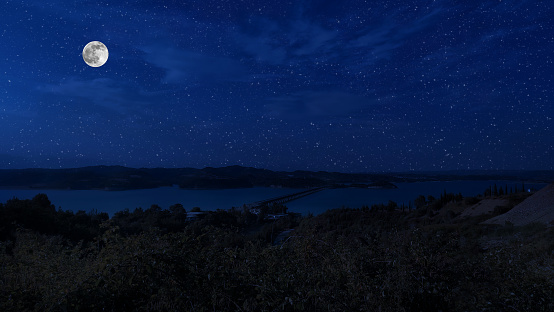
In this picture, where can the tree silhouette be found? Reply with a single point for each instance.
(419, 202)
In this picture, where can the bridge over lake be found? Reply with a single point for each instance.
(285, 198)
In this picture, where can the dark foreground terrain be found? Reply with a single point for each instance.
(379, 258)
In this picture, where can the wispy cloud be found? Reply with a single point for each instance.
(308, 38)
(381, 39)
(278, 42)
(103, 93)
(274, 43)
(307, 105)
(182, 66)
(265, 42)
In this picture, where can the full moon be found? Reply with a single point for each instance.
(95, 54)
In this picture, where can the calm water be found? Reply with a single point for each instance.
(406, 192)
(113, 201)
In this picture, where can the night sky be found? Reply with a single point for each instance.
(349, 86)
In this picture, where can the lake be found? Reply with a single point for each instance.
(113, 201)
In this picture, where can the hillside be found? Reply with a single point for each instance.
(537, 208)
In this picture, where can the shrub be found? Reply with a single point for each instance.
(471, 200)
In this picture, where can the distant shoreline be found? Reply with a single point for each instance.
(368, 185)
(117, 178)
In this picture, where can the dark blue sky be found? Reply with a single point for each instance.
(351, 86)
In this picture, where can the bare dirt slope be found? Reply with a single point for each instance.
(539, 207)
(485, 206)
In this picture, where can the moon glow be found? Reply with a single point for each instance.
(95, 54)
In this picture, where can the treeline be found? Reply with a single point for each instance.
(420, 202)
(38, 214)
(499, 190)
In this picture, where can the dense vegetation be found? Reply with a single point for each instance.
(379, 258)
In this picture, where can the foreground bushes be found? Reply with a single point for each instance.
(343, 260)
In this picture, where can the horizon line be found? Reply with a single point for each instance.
(444, 171)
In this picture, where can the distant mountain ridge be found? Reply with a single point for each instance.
(124, 178)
